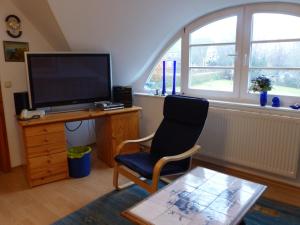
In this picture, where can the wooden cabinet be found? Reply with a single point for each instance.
(46, 147)
(46, 153)
(112, 130)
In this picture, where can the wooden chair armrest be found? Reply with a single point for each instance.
(163, 161)
(137, 141)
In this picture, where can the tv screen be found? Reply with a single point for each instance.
(68, 78)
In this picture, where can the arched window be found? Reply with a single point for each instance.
(223, 51)
(154, 81)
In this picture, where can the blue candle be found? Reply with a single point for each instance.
(174, 78)
(163, 91)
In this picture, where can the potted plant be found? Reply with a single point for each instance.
(261, 84)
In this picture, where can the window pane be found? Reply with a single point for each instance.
(271, 26)
(285, 82)
(212, 55)
(214, 80)
(155, 79)
(280, 54)
(221, 31)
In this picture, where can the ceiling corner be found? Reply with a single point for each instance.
(39, 13)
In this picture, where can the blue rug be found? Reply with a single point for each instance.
(106, 211)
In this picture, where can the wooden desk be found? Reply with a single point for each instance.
(46, 147)
(202, 196)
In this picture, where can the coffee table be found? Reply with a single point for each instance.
(200, 197)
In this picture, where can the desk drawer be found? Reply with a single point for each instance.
(45, 166)
(43, 150)
(48, 179)
(44, 129)
(48, 171)
(46, 139)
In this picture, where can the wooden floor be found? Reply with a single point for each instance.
(42, 205)
(21, 205)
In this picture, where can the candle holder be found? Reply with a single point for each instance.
(174, 78)
(163, 90)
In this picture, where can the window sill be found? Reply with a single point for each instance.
(282, 111)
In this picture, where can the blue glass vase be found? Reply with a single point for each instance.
(263, 98)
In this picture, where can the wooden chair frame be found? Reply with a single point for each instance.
(151, 188)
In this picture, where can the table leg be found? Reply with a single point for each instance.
(242, 222)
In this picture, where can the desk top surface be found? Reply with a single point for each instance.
(76, 115)
(202, 196)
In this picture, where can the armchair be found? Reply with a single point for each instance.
(172, 145)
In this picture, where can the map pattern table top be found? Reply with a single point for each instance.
(201, 197)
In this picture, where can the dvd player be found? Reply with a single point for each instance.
(106, 105)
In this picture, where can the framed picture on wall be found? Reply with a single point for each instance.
(14, 51)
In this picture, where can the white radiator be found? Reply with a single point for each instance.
(257, 140)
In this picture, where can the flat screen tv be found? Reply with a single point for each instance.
(56, 79)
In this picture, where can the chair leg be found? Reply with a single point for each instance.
(242, 222)
(154, 186)
(116, 177)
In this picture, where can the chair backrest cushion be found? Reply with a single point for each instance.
(184, 118)
(185, 109)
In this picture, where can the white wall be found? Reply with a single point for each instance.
(15, 72)
(152, 113)
(41, 16)
(85, 135)
(132, 30)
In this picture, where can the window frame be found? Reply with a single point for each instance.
(280, 8)
(244, 15)
(197, 24)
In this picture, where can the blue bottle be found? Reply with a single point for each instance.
(275, 102)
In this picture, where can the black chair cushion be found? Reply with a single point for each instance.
(186, 109)
(172, 138)
(143, 163)
(184, 118)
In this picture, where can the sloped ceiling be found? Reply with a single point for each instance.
(41, 16)
(133, 31)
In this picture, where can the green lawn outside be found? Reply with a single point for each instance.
(281, 90)
(227, 85)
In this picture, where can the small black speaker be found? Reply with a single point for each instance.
(123, 94)
(21, 101)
